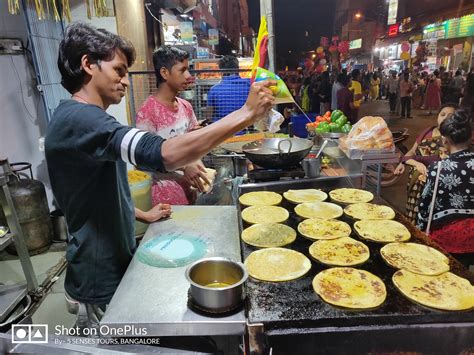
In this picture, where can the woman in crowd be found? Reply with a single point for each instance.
(452, 220)
(433, 93)
(427, 149)
(374, 87)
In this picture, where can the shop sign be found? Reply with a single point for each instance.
(392, 12)
(186, 31)
(393, 30)
(202, 53)
(460, 27)
(434, 31)
(355, 44)
(213, 36)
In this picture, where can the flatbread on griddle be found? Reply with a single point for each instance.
(260, 198)
(322, 210)
(264, 214)
(277, 264)
(305, 195)
(417, 258)
(369, 211)
(348, 195)
(343, 251)
(382, 231)
(315, 228)
(350, 288)
(446, 291)
(268, 235)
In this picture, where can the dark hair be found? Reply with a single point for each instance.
(457, 127)
(355, 74)
(340, 77)
(167, 57)
(98, 44)
(229, 62)
(458, 72)
(406, 76)
(345, 79)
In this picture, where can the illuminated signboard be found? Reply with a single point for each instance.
(393, 30)
(392, 12)
(434, 31)
(459, 27)
(355, 44)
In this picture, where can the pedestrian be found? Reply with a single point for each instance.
(325, 93)
(406, 89)
(313, 92)
(433, 93)
(356, 89)
(468, 92)
(374, 87)
(345, 99)
(87, 151)
(392, 91)
(445, 87)
(455, 87)
(335, 89)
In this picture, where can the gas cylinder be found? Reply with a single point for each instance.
(31, 205)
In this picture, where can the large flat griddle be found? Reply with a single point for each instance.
(295, 305)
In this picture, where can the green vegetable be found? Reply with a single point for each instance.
(346, 128)
(341, 121)
(323, 127)
(335, 128)
(336, 114)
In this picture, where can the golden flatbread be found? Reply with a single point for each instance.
(417, 258)
(348, 195)
(369, 211)
(322, 210)
(277, 264)
(260, 198)
(268, 235)
(305, 195)
(315, 228)
(343, 251)
(264, 214)
(350, 288)
(382, 231)
(446, 291)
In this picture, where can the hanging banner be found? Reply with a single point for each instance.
(186, 31)
(213, 36)
(392, 12)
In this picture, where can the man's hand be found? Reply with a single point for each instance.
(195, 174)
(399, 169)
(260, 99)
(161, 210)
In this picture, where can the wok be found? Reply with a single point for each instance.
(277, 153)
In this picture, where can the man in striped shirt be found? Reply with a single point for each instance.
(87, 151)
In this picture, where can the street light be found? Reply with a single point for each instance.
(358, 15)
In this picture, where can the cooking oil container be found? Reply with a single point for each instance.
(140, 188)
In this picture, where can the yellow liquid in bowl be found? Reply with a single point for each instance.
(217, 284)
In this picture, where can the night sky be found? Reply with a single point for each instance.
(291, 19)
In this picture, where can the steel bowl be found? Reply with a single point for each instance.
(217, 283)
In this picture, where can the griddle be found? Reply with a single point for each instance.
(295, 305)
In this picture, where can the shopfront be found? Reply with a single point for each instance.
(450, 43)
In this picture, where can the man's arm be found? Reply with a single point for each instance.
(184, 149)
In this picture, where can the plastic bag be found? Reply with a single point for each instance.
(369, 135)
(280, 90)
(271, 122)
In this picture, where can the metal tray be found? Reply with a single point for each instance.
(295, 305)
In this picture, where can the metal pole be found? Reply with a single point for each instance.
(266, 9)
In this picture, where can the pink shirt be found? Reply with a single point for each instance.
(406, 88)
(155, 117)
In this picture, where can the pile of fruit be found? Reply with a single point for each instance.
(335, 122)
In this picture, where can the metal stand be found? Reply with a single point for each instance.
(10, 296)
